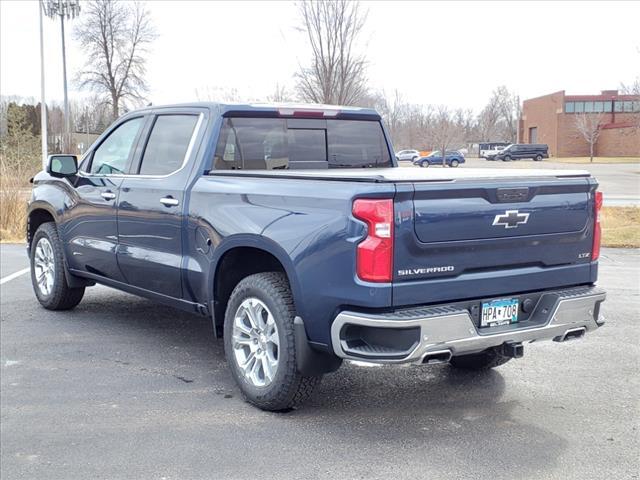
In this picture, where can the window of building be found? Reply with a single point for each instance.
(628, 106)
(617, 107)
(636, 106)
(598, 107)
(569, 107)
(588, 107)
(533, 135)
(608, 107)
(579, 107)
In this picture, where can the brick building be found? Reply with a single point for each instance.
(550, 119)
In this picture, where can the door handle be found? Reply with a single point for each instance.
(108, 195)
(169, 201)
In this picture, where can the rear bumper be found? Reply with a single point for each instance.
(447, 330)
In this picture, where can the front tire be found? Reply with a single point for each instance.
(507, 159)
(259, 343)
(48, 271)
(455, 163)
(490, 358)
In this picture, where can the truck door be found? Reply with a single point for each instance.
(91, 232)
(151, 203)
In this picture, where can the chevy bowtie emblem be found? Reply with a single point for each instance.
(511, 219)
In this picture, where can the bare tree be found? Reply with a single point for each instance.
(509, 107)
(588, 127)
(445, 131)
(115, 37)
(210, 93)
(280, 94)
(633, 89)
(489, 126)
(337, 74)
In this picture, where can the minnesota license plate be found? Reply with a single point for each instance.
(499, 312)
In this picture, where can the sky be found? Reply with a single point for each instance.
(451, 53)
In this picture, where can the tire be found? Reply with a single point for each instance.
(424, 164)
(48, 271)
(454, 163)
(538, 158)
(507, 158)
(267, 295)
(490, 358)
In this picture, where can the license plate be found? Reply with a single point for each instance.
(499, 312)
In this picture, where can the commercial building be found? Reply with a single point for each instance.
(551, 119)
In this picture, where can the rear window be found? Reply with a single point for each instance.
(278, 144)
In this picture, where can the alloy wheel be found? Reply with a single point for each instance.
(44, 266)
(255, 342)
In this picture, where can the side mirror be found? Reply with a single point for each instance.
(62, 165)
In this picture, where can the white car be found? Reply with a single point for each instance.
(490, 153)
(409, 155)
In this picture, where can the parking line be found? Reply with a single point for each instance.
(8, 278)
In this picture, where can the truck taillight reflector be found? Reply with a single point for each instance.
(597, 230)
(374, 255)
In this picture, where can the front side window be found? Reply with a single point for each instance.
(278, 143)
(113, 153)
(168, 144)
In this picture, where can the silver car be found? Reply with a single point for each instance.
(409, 155)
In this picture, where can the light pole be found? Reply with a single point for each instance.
(43, 106)
(69, 9)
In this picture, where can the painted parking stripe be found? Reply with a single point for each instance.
(8, 278)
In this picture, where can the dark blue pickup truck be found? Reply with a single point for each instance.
(294, 230)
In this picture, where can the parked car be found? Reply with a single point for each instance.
(409, 155)
(295, 233)
(453, 159)
(488, 148)
(518, 151)
(491, 154)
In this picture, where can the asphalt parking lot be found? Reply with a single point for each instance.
(121, 388)
(619, 182)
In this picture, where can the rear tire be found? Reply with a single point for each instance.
(490, 358)
(538, 158)
(268, 298)
(48, 271)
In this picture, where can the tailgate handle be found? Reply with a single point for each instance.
(512, 194)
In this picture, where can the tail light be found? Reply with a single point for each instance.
(597, 230)
(374, 255)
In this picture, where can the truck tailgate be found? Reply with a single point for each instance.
(472, 238)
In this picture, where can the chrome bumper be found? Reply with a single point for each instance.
(446, 331)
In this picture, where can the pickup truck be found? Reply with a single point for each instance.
(293, 229)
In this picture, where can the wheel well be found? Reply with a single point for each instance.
(35, 219)
(236, 264)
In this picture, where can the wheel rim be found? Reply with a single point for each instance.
(256, 345)
(44, 266)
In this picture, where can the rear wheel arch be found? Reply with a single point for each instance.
(239, 261)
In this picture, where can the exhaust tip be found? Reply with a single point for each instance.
(573, 334)
(433, 358)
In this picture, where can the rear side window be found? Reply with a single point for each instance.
(278, 143)
(168, 144)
